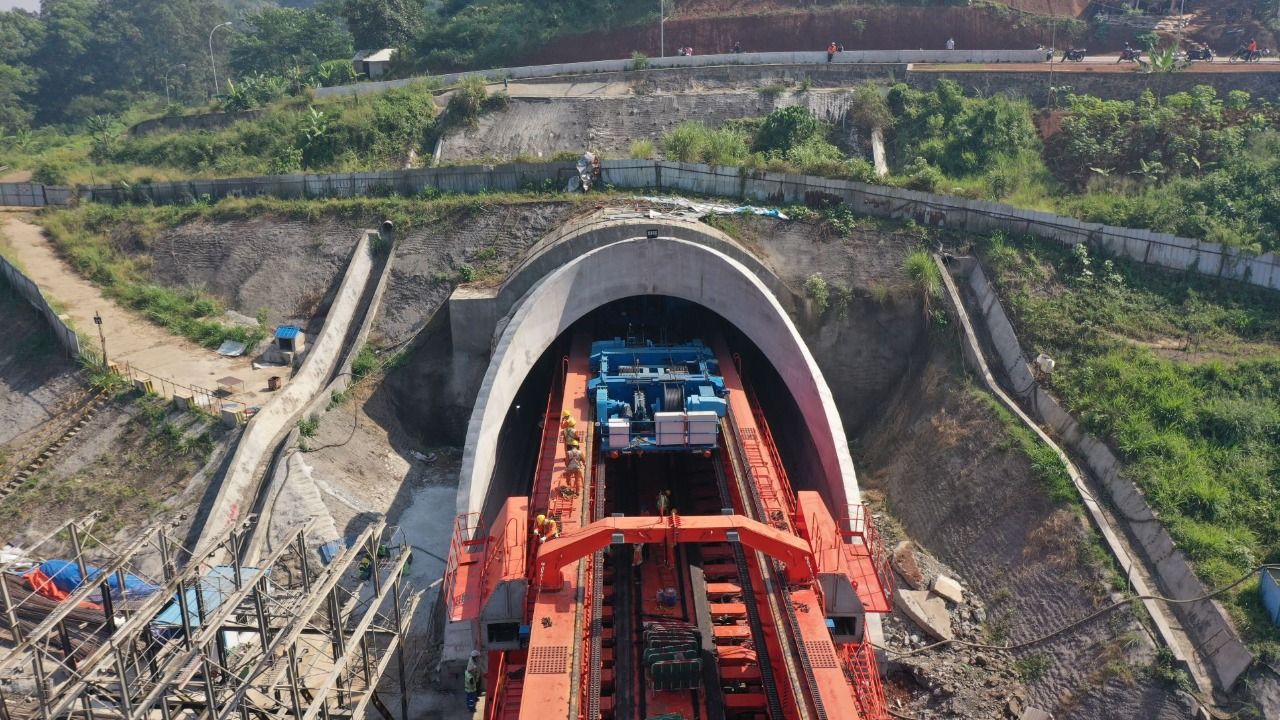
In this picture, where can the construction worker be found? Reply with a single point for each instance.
(570, 430)
(664, 503)
(544, 528)
(471, 680)
(573, 466)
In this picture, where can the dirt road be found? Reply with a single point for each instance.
(130, 338)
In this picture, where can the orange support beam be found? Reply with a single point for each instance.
(791, 550)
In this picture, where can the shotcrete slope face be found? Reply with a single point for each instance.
(660, 266)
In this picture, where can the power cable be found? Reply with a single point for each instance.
(1087, 618)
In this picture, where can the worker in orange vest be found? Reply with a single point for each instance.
(544, 528)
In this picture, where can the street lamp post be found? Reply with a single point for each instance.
(662, 28)
(183, 66)
(213, 65)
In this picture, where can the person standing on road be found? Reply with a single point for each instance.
(951, 44)
(832, 49)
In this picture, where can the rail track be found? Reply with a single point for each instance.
(74, 420)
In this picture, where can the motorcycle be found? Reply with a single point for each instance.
(1130, 55)
(1244, 55)
(1074, 55)
(1203, 53)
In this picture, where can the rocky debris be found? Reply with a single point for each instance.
(1034, 713)
(905, 564)
(926, 611)
(948, 589)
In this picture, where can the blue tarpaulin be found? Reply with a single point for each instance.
(66, 576)
(215, 587)
(287, 332)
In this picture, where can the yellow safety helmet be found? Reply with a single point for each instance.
(566, 415)
(542, 519)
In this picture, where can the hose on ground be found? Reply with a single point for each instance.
(1087, 618)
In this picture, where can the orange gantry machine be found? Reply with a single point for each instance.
(735, 597)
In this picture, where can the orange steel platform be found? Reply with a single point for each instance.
(757, 581)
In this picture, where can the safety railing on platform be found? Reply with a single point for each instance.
(859, 661)
(466, 528)
(858, 525)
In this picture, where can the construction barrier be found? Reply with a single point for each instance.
(1144, 246)
(27, 288)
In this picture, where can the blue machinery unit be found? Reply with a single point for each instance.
(656, 397)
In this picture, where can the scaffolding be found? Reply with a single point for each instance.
(286, 638)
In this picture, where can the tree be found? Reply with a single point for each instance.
(276, 38)
(378, 24)
(61, 56)
(15, 113)
(21, 34)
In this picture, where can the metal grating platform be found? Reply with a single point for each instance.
(548, 660)
(821, 654)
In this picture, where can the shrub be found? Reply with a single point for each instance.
(467, 100)
(639, 61)
(870, 108)
(51, 172)
(642, 150)
(307, 426)
(817, 289)
(924, 273)
(785, 129)
(692, 141)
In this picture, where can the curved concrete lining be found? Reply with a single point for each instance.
(691, 272)
(547, 256)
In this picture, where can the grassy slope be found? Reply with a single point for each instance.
(1181, 375)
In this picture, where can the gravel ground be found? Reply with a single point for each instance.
(938, 457)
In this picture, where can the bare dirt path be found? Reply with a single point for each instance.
(130, 338)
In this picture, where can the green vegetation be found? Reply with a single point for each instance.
(333, 136)
(1033, 667)
(1045, 463)
(132, 483)
(641, 150)
(787, 140)
(307, 426)
(1178, 373)
(818, 290)
(82, 237)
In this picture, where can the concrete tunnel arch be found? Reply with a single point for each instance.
(691, 271)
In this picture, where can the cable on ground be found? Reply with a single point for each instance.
(1072, 625)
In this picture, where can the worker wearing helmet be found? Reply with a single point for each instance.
(573, 466)
(472, 679)
(569, 431)
(664, 503)
(544, 528)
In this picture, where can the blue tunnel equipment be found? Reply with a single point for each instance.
(656, 397)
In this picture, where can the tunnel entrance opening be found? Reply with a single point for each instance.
(645, 528)
(650, 320)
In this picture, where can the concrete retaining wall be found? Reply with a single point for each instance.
(237, 489)
(25, 287)
(854, 57)
(1205, 622)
